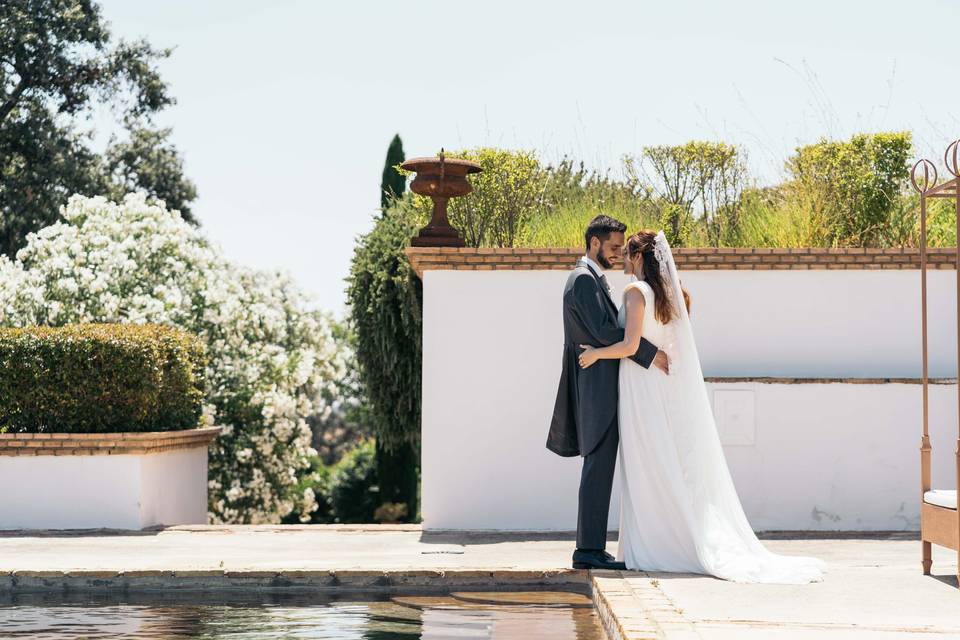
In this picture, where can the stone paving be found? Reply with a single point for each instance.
(264, 556)
(874, 588)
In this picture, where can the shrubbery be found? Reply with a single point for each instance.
(272, 362)
(346, 492)
(385, 296)
(847, 193)
(96, 378)
(851, 189)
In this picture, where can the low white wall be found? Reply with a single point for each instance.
(173, 487)
(838, 456)
(104, 491)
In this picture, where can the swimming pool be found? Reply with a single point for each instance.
(255, 616)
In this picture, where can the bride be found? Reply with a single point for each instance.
(680, 511)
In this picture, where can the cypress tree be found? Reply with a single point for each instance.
(392, 185)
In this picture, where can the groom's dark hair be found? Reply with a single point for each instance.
(601, 227)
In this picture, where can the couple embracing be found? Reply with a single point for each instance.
(631, 387)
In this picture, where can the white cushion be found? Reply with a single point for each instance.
(941, 498)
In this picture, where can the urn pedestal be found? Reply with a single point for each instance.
(440, 179)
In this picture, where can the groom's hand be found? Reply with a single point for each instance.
(662, 362)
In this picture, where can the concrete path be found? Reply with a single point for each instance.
(874, 588)
(335, 557)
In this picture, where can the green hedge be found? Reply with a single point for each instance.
(99, 378)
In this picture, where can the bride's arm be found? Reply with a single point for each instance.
(635, 304)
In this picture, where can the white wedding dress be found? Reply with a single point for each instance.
(680, 511)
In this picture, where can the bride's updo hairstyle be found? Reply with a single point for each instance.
(641, 244)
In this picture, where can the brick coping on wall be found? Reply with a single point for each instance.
(94, 444)
(688, 259)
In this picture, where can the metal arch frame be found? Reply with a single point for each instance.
(938, 525)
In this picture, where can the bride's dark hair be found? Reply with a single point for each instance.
(642, 244)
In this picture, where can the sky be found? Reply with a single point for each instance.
(285, 108)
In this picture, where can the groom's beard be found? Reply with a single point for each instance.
(603, 261)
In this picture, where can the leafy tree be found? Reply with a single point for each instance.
(385, 299)
(851, 188)
(393, 183)
(57, 63)
(148, 162)
(695, 179)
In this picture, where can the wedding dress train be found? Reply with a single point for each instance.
(680, 511)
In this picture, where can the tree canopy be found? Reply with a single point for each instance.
(58, 63)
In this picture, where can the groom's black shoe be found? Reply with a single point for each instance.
(596, 559)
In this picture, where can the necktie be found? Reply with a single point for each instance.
(606, 286)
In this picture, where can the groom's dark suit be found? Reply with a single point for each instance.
(585, 413)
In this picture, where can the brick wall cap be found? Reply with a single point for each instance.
(688, 258)
(16, 444)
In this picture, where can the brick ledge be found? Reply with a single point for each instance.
(92, 444)
(688, 259)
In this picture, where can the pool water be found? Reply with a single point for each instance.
(257, 616)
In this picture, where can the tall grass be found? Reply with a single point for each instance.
(762, 224)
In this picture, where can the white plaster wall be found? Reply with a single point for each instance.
(821, 323)
(834, 456)
(69, 492)
(174, 487)
(104, 491)
(491, 362)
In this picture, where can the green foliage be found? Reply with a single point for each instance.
(354, 493)
(692, 191)
(99, 378)
(849, 193)
(941, 223)
(851, 188)
(58, 64)
(573, 195)
(702, 179)
(148, 162)
(399, 477)
(771, 220)
(346, 492)
(385, 300)
(677, 223)
(393, 183)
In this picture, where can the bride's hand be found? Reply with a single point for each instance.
(588, 357)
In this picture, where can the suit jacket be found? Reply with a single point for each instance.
(586, 402)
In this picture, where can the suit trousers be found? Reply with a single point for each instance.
(596, 484)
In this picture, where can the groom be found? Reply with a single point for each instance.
(585, 414)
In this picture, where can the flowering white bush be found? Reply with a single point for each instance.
(272, 362)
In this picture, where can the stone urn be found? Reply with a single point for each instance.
(440, 178)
